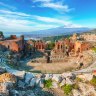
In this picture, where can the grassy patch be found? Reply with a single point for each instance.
(78, 79)
(48, 83)
(93, 81)
(75, 86)
(67, 88)
(94, 49)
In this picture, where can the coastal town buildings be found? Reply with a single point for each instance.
(89, 37)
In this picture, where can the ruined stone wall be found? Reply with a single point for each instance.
(13, 37)
(81, 46)
(13, 44)
(77, 47)
(74, 37)
(40, 46)
(14, 47)
(63, 46)
(85, 46)
(59, 47)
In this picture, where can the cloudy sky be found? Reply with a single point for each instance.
(33, 15)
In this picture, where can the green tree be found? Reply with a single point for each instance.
(78, 79)
(68, 37)
(75, 86)
(50, 46)
(48, 83)
(1, 33)
(67, 89)
(93, 81)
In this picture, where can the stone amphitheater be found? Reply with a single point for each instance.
(66, 64)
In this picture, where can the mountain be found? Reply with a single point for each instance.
(59, 31)
(56, 32)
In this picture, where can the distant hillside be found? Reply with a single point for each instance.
(59, 31)
(54, 38)
(91, 31)
(56, 32)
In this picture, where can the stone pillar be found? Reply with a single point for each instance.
(48, 57)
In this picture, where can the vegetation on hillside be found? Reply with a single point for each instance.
(55, 38)
(94, 49)
(76, 86)
(50, 46)
(1, 33)
(48, 83)
(78, 79)
(93, 81)
(90, 32)
(67, 88)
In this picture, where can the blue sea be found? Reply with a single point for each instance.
(7, 34)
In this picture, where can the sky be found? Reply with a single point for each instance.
(34, 15)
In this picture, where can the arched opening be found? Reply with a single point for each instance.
(8, 47)
(58, 46)
(61, 46)
(39, 46)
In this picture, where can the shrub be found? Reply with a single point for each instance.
(94, 49)
(78, 79)
(93, 81)
(1, 33)
(50, 46)
(75, 86)
(67, 88)
(48, 83)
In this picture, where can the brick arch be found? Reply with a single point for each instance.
(39, 46)
(58, 46)
(61, 46)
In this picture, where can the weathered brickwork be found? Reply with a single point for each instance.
(14, 44)
(81, 46)
(63, 46)
(70, 45)
(40, 46)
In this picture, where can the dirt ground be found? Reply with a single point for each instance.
(69, 64)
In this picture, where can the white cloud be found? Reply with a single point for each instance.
(56, 6)
(7, 6)
(72, 25)
(8, 12)
(52, 20)
(12, 25)
(11, 21)
(59, 6)
(67, 24)
(41, 0)
(16, 22)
